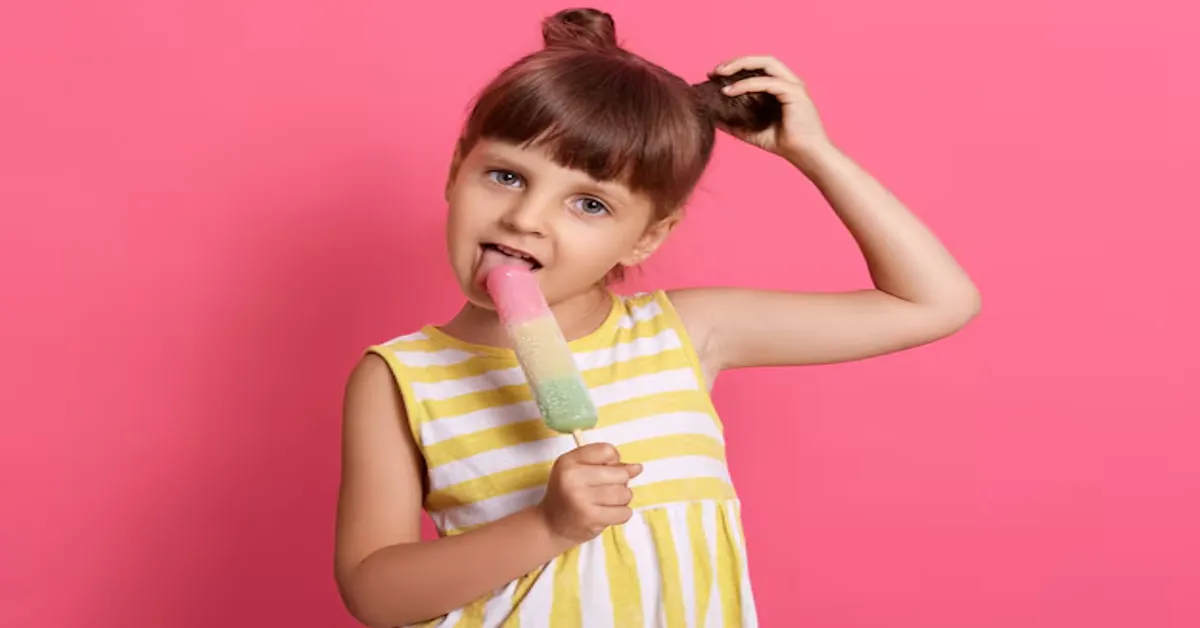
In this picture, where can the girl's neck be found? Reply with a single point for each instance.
(578, 316)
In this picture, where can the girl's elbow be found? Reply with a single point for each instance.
(972, 303)
(961, 309)
(374, 614)
(359, 605)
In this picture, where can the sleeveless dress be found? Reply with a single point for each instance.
(679, 562)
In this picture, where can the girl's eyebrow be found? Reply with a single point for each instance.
(499, 159)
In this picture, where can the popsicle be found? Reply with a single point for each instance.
(558, 389)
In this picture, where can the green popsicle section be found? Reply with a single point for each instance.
(565, 404)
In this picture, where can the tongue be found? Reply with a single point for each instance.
(492, 259)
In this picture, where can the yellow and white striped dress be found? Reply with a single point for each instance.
(680, 561)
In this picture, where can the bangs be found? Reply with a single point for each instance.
(614, 118)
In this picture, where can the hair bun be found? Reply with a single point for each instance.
(580, 28)
(755, 111)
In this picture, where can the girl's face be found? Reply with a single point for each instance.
(510, 204)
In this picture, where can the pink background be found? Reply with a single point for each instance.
(208, 210)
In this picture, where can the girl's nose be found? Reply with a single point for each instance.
(529, 216)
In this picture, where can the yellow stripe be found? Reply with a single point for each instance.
(523, 586)
(668, 567)
(473, 402)
(472, 367)
(657, 403)
(695, 489)
(671, 446)
(423, 345)
(565, 609)
(701, 562)
(469, 445)
(666, 360)
(624, 588)
(472, 615)
(414, 410)
(728, 582)
(480, 488)
(659, 493)
(672, 318)
(739, 541)
(594, 378)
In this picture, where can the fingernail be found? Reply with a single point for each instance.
(727, 89)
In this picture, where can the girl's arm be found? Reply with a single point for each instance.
(920, 293)
(387, 576)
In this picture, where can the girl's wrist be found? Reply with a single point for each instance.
(810, 158)
(545, 533)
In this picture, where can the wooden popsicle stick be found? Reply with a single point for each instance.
(578, 434)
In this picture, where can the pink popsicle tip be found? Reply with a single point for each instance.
(515, 291)
(501, 275)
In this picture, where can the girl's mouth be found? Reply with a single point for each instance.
(513, 255)
(493, 256)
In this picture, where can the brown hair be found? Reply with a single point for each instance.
(601, 109)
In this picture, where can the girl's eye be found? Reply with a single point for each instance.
(506, 178)
(591, 206)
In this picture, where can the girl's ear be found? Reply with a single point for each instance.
(653, 238)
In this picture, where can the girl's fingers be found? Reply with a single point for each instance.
(613, 495)
(612, 474)
(770, 65)
(785, 91)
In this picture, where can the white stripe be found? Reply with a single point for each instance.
(539, 601)
(491, 509)
(546, 450)
(410, 337)
(602, 358)
(448, 620)
(594, 598)
(438, 430)
(643, 385)
(440, 521)
(498, 460)
(641, 545)
(640, 314)
(715, 616)
(681, 468)
(670, 424)
(445, 428)
(444, 357)
(500, 606)
(733, 510)
(678, 518)
(665, 340)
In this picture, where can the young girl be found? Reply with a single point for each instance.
(576, 161)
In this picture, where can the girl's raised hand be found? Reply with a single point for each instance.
(801, 130)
